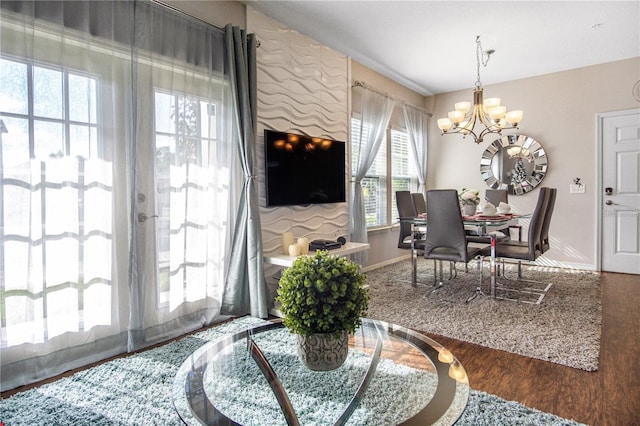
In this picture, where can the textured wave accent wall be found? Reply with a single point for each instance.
(303, 88)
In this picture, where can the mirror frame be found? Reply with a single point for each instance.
(534, 153)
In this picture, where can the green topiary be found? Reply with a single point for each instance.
(322, 294)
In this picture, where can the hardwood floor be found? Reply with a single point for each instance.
(609, 396)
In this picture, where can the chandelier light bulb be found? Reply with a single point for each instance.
(444, 124)
(492, 102)
(464, 107)
(514, 117)
(496, 113)
(456, 116)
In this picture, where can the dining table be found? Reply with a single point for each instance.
(481, 224)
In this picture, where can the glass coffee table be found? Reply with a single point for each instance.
(392, 375)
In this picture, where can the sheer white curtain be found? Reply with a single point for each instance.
(416, 123)
(376, 111)
(116, 172)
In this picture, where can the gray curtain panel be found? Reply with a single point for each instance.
(245, 289)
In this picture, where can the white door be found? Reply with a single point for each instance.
(620, 235)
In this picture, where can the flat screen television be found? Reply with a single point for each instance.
(301, 170)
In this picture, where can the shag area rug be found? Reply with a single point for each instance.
(565, 328)
(137, 390)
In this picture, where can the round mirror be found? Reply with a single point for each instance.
(516, 163)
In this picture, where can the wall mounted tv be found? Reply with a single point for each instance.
(301, 170)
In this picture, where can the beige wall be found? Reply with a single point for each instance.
(361, 73)
(560, 112)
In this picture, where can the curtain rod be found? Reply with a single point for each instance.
(359, 83)
(195, 18)
(183, 13)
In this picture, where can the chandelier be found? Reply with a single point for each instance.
(489, 112)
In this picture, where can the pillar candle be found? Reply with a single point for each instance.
(303, 243)
(286, 241)
(294, 250)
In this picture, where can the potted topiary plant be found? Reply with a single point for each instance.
(322, 300)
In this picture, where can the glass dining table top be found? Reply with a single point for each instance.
(392, 375)
(475, 220)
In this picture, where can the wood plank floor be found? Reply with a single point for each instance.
(609, 396)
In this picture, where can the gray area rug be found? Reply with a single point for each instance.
(565, 328)
(137, 390)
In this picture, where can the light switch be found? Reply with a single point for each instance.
(577, 189)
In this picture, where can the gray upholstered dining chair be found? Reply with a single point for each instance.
(446, 239)
(544, 233)
(496, 196)
(544, 197)
(419, 202)
(528, 250)
(406, 209)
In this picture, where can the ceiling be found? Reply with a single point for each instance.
(430, 46)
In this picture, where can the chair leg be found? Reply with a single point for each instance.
(437, 283)
(519, 270)
(479, 291)
(437, 274)
(535, 294)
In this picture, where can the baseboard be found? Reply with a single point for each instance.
(385, 263)
(541, 264)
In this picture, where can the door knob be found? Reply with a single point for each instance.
(142, 217)
(608, 202)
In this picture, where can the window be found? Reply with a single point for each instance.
(185, 136)
(403, 172)
(54, 110)
(56, 185)
(388, 174)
